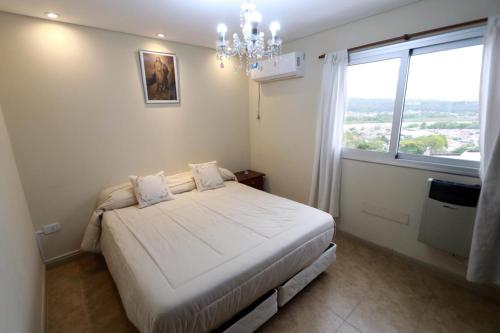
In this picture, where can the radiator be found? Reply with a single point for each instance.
(448, 216)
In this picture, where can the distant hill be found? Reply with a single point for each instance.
(387, 105)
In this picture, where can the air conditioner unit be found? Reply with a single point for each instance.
(288, 66)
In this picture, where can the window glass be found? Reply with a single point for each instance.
(441, 110)
(371, 92)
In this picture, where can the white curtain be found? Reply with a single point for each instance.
(484, 259)
(325, 185)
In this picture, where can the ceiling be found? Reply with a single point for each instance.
(195, 21)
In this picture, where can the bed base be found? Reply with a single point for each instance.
(254, 316)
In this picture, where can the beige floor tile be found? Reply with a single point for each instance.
(471, 314)
(83, 298)
(74, 321)
(386, 315)
(304, 313)
(406, 278)
(347, 328)
(340, 293)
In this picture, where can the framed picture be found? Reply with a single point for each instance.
(159, 77)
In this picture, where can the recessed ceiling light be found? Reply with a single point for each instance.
(52, 15)
(160, 35)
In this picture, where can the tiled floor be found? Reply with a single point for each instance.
(366, 290)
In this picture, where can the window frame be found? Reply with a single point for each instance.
(404, 51)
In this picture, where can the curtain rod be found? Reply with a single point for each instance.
(407, 37)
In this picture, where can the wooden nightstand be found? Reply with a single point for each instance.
(251, 178)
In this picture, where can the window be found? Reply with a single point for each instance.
(441, 110)
(417, 103)
(371, 93)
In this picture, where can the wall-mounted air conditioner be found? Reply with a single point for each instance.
(288, 66)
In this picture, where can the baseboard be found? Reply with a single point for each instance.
(489, 291)
(54, 261)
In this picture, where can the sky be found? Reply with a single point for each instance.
(452, 75)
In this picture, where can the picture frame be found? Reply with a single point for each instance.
(160, 77)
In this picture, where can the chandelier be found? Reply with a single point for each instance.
(251, 45)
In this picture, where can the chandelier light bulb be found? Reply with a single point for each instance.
(274, 27)
(221, 28)
(255, 17)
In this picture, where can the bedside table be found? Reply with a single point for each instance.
(251, 178)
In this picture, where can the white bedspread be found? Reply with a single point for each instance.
(189, 264)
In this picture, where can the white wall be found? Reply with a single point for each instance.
(21, 272)
(282, 142)
(74, 105)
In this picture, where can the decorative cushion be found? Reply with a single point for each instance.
(207, 176)
(151, 189)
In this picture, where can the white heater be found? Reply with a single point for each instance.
(448, 216)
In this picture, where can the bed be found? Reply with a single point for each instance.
(196, 263)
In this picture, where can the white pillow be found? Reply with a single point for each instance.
(227, 175)
(151, 189)
(181, 182)
(115, 197)
(207, 176)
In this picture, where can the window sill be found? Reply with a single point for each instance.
(385, 158)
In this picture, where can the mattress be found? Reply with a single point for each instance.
(190, 264)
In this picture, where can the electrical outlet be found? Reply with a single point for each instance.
(51, 228)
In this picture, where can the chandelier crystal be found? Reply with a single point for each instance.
(250, 49)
